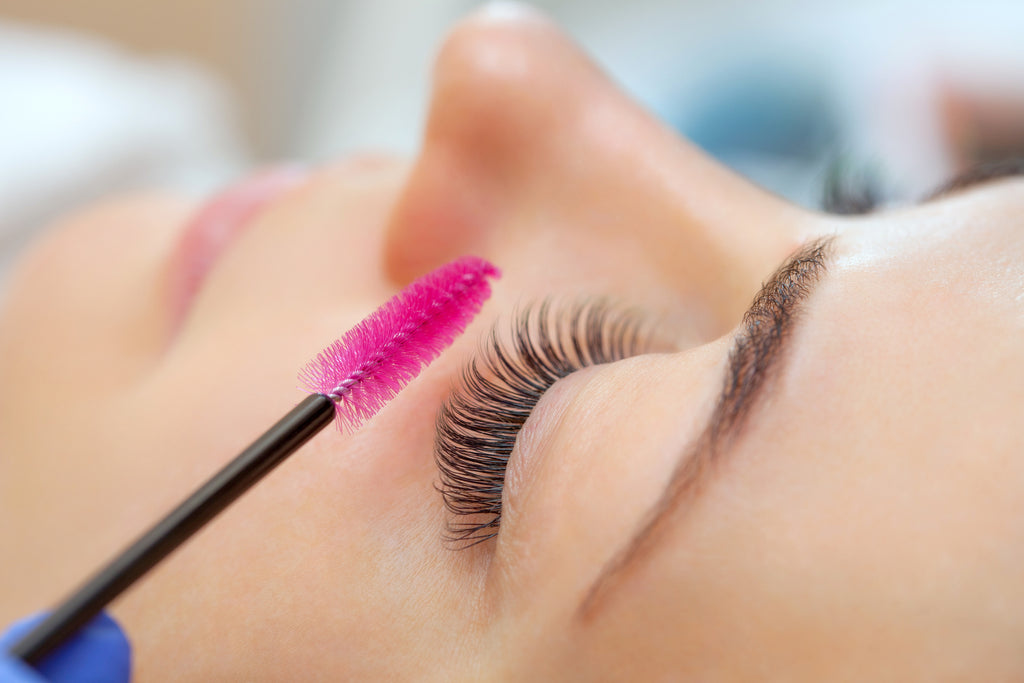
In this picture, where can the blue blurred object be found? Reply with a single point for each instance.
(774, 122)
(762, 108)
(99, 653)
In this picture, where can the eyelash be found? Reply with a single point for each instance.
(850, 190)
(477, 426)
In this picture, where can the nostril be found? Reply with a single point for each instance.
(443, 212)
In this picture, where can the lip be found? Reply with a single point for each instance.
(216, 224)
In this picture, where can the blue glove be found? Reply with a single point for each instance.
(98, 653)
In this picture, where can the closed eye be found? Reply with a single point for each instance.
(757, 353)
(478, 425)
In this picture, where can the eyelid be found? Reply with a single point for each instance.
(754, 352)
(603, 465)
(546, 421)
(479, 424)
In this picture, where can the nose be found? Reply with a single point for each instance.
(528, 142)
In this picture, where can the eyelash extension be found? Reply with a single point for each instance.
(477, 426)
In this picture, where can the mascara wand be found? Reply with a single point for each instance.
(350, 381)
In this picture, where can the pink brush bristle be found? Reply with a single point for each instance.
(374, 360)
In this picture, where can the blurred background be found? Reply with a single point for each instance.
(106, 96)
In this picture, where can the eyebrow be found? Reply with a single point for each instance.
(754, 358)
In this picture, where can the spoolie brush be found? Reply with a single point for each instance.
(368, 366)
(352, 379)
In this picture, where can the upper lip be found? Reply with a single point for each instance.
(215, 225)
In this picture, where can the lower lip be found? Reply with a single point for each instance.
(216, 225)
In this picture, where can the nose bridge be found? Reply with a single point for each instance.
(711, 233)
(736, 232)
(523, 124)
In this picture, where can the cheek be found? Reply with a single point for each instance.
(85, 308)
(811, 571)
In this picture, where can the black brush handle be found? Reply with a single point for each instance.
(268, 451)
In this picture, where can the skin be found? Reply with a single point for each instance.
(867, 524)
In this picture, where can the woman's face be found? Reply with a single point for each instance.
(829, 489)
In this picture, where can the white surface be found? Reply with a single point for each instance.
(371, 89)
(82, 121)
(884, 58)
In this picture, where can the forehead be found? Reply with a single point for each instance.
(918, 327)
(969, 247)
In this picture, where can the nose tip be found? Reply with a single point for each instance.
(527, 136)
(495, 103)
(508, 11)
(503, 84)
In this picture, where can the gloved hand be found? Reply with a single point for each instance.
(98, 653)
